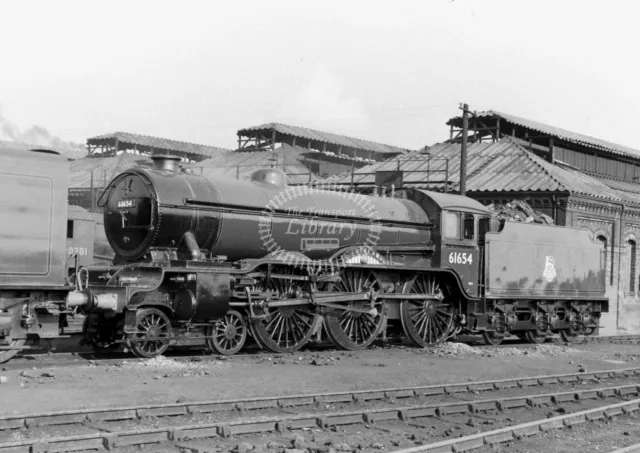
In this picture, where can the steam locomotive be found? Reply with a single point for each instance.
(219, 260)
(42, 243)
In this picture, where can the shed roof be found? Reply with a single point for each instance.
(145, 143)
(242, 164)
(617, 184)
(456, 202)
(321, 137)
(562, 134)
(502, 166)
(104, 169)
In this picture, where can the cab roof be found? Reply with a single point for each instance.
(453, 202)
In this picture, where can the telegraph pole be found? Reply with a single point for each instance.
(463, 150)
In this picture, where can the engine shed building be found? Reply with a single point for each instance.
(577, 180)
(303, 154)
(323, 153)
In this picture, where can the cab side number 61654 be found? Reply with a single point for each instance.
(460, 258)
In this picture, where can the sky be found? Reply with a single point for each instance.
(391, 72)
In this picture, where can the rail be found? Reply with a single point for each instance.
(512, 433)
(159, 410)
(323, 420)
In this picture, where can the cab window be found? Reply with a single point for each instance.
(469, 226)
(452, 225)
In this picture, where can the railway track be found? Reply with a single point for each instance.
(68, 359)
(441, 407)
(614, 339)
(630, 449)
(511, 433)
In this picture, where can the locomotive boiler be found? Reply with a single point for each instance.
(188, 216)
(221, 259)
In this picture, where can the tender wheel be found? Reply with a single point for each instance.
(228, 335)
(99, 333)
(8, 354)
(154, 329)
(429, 321)
(492, 338)
(285, 329)
(353, 330)
(567, 336)
(534, 337)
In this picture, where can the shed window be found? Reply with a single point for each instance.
(603, 240)
(631, 247)
(452, 225)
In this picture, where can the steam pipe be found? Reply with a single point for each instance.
(191, 243)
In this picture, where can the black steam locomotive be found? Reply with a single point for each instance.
(218, 260)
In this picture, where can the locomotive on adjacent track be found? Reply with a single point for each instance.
(219, 259)
(42, 242)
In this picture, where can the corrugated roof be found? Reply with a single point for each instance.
(242, 164)
(563, 134)
(323, 137)
(502, 166)
(104, 169)
(148, 143)
(617, 184)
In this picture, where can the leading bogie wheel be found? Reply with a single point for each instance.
(427, 322)
(153, 332)
(355, 330)
(285, 329)
(228, 335)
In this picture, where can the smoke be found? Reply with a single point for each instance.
(39, 136)
(323, 104)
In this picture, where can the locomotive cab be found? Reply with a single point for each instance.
(459, 221)
(460, 250)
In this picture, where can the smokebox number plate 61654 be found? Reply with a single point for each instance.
(126, 203)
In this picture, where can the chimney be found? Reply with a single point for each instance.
(166, 162)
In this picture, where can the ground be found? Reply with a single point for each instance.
(161, 380)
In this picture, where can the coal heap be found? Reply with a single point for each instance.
(519, 211)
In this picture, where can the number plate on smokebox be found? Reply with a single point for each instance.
(126, 203)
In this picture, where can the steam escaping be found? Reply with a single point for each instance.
(323, 104)
(37, 136)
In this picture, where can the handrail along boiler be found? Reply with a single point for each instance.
(193, 261)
